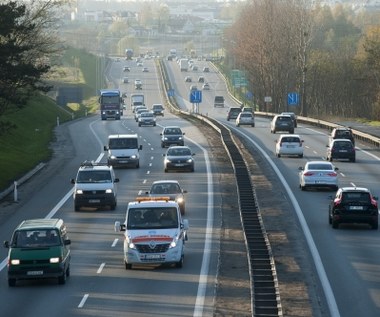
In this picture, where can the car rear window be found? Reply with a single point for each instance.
(284, 119)
(343, 145)
(356, 197)
(290, 140)
(325, 167)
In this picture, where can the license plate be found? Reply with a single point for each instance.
(290, 146)
(342, 151)
(123, 161)
(94, 201)
(179, 165)
(153, 256)
(356, 207)
(35, 273)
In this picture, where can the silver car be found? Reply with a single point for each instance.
(171, 189)
(318, 174)
(245, 118)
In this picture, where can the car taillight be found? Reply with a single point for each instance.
(373, 202)
(332, 174)
(308, 174)
(337, 202)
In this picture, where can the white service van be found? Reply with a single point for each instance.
(154, 232)
(123, 150)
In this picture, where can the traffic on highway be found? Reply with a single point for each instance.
(132, 247)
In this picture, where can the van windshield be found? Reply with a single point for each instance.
(152, 218)
(36, 238)
(115, 144)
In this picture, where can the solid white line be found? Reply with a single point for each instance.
(329, 295)
(203, 275)
(101, 267)
(81, 304)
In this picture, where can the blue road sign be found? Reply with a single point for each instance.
(293, 98)
(249, 95)
(196, 96)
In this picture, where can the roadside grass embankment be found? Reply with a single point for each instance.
(27, 145)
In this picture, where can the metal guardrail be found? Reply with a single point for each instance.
(265, 296)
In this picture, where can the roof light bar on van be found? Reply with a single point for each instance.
(157, 198)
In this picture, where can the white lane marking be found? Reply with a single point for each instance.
(101, 267)
(114, 243)
(203, 275)
(68, 194)
(83, 301)
(330, 298)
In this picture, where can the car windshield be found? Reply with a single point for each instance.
(147, 114)
(324, 167)
(94, 177)
(36, 238)
(172, 131)
(115, 144)
(152, 218)
(356, 197)
(169, 188)
(179, 152)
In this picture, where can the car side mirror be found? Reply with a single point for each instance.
(105, 148)
(72, 181)
(140, 147)
(116, 180)
(6, 244)
(300, 168)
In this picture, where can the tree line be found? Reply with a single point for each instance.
(330, 56)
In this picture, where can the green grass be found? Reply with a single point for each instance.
(28, 144)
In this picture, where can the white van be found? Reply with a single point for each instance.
(154, 232)
(123, 150)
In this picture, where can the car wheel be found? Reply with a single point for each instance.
(11, 282)
(139, 125)
(301, 155)
(303, 187)
(162, 145)
(76, 207)
(179, 264)
(166, 170)
(375, 225)
(252, 125)
(353, 160)
(330, 159)
(68, 271)
(113, 206)
(335, 224)
(62, 278)
(291, 131)
(128, 266)
(238, 125)
(278, 155)
(330, 218)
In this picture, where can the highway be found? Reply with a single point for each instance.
(99, 284)
(347, 260)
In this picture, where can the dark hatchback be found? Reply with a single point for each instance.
(353, 205)
(341, 149)
(233, 113)
(172, 135)
(179, 158)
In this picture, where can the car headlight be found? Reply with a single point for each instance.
(113, 157)
(167, 161)
(15, 262)
(180, 200)
(134, 157)
(79, 192)
(109, 191)
(131, 245)
(166, 138)
(54, 260)
(180, 138)
(190, 160)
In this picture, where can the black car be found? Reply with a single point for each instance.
(179, 158)
(172, 135)
(233, 113)
(342, 133)
(292, 115)
(282, 123)
(341, 149)
(353, 205)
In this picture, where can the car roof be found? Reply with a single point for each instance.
(166, 181)
(122, 136)
(319, 162)
(40, 223)
(172, 127)
(289, 135)
(341, 140)
(348, 189)
(152, 203)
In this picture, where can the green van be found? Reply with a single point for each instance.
(39, 249)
